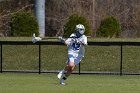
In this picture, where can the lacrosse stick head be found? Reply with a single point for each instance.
(34, 38)
(33, 34)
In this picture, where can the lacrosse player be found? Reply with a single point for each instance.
(76, 50)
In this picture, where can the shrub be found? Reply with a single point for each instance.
(69, 27)
(109, 27)
(23, 24)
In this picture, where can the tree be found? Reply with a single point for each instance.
(69, 27)
(23, 24)
(109, 27)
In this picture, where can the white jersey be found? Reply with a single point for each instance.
(76, 48)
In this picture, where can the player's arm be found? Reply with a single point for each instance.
(69, 40)
(83, 41)
(65, 41)
(61, 39)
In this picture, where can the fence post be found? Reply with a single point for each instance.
(39, 59)
(79, 68)
(121, 60)
(1, 58)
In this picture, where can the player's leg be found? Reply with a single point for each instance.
(68, 71)
(70, 58)
(61, 73)
(69, 68)
(71, 65)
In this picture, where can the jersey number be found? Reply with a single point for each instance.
(76, 46)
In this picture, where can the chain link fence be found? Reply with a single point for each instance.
(117, 58)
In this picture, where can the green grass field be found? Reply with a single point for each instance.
(48, 83)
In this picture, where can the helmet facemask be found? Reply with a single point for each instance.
(80, 29)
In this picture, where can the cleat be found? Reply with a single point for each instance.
(59, 76)
(62, 82)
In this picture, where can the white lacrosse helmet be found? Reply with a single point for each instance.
(80, 29)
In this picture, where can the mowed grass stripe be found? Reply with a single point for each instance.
(48, 83)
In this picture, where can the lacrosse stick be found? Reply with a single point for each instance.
(60, 38)
(36, 39)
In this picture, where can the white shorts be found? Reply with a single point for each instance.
(74, 58)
